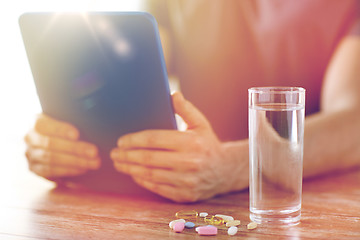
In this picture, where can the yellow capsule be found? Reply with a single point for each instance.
(186, 214)
(213, 220)
(252, 225)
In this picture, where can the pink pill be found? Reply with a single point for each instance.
(179, 227)
(207, 230)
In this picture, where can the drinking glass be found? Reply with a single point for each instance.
(276, 137)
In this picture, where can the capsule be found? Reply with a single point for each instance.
(171, 224)
(203, 214)
(252, 225)
(225, 217)
(213, 220)
(179, 227)
(207, 230)
(184, 214)
(233, 223)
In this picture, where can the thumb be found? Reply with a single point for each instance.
(188, 112)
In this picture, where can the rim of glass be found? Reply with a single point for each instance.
(276, 89)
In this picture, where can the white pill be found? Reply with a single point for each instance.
(232, 230)
(203, 214)
(233, 223)
(172, 223)
(225, 217)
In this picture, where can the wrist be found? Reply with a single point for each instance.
(236, 161)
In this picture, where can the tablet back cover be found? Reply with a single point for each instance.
(104, 73)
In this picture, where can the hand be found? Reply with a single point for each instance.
(183, 166)
(54, 150)
(280, 157)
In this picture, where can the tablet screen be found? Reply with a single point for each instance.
(102, 72)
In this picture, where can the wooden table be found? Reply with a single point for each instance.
(32, 208)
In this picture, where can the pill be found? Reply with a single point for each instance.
(179, 227)
(225, 217)
(184, 214)
(189, 224)
(207, 230)
(213, 220)
(252, 225)
(203, 214)
(171, 224)
(233, 223)
(232, 230)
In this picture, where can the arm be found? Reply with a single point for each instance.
(332, 137)
(198, 166)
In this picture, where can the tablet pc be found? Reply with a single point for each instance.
(105, 73)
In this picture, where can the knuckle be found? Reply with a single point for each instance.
(30, 137)
(198, 143)
(190, 183)
(148, 173)
(197, 164)
(47, 157)
(151, 139)
(49, 142)
(146, 156)
(189, 197)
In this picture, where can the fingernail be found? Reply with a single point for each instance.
(181, 96)
(94, 164)
(120, 143)
(71, 134)
(91, 152)
(121, 167)
(115, 155)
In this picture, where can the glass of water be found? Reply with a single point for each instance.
(276, 137)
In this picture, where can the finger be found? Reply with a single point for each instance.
(34, 139)
(41, 156)
(47, 171)
(188, 112)
(155, 174)
(49, 126)
(179, 161)
(168, 191)
(159, 176)
(161, 139)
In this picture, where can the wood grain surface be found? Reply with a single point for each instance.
(32, 208)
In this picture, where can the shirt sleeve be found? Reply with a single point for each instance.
(355, 28)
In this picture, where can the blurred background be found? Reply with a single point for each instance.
(18, 99)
